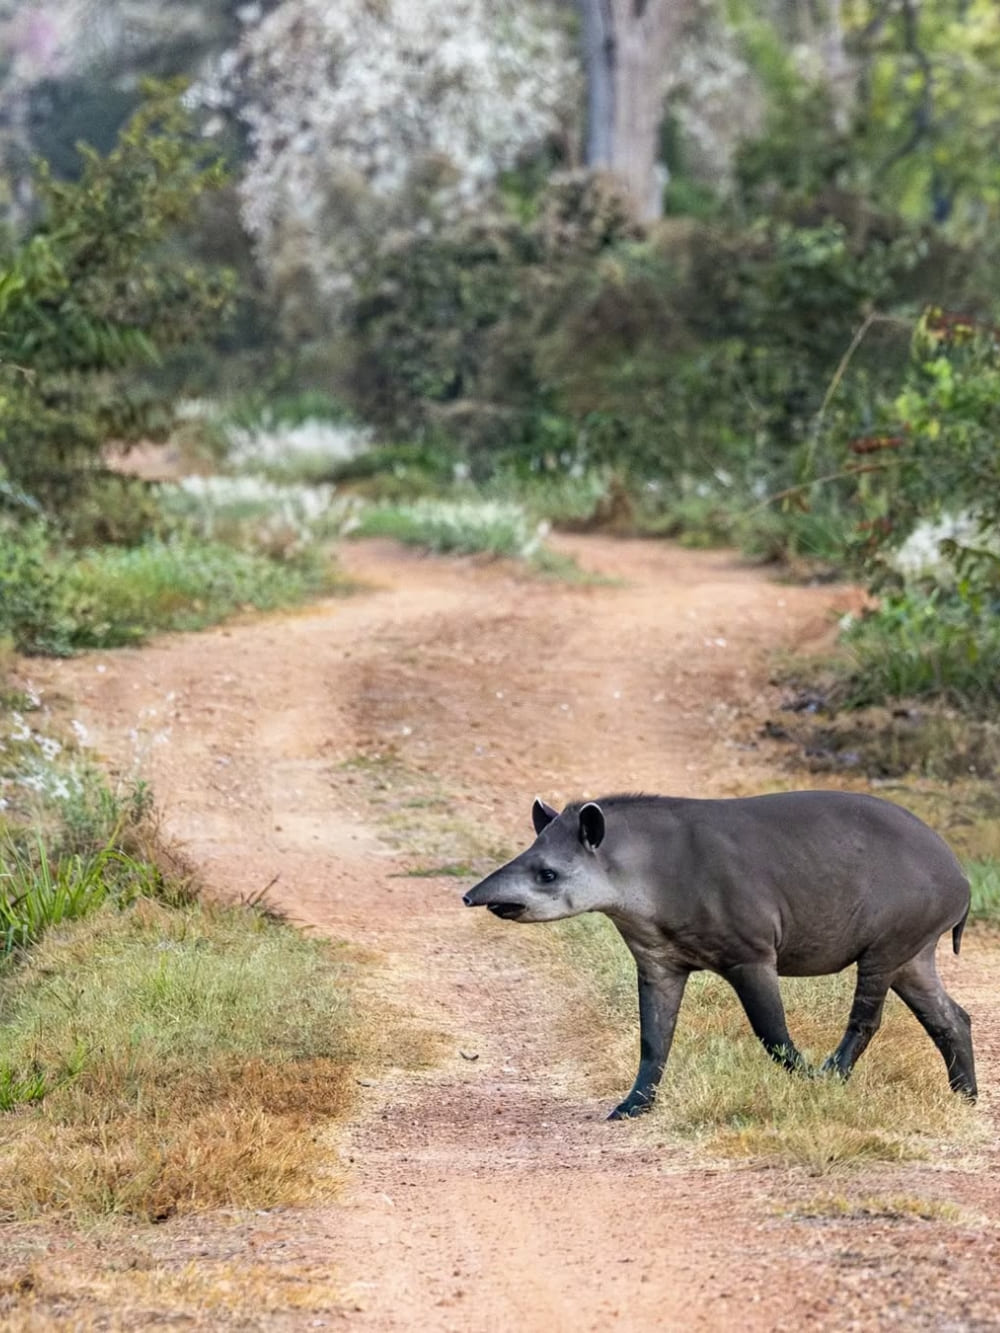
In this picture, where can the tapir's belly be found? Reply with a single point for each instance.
(819, 947)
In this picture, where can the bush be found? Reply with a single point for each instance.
(96, 294)
(943, 464)
(925, 646)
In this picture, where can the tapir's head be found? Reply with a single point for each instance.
(561, 873)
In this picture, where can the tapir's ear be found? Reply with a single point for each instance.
(592, 826)
(542, 814)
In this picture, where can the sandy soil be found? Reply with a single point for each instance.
(316, 751)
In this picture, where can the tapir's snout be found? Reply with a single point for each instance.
(490, 893)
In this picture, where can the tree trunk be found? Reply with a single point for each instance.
(626, 43)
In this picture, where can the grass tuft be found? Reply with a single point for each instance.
(897, 1207)
(37, 893)
(466, 527)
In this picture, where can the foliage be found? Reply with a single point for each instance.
(97, 293)
(929, 109)
(37, 893)
(248, 512)
(451, 96)
(925, 645)
(60, 602)
(945, 463)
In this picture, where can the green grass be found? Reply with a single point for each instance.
(112, 596)
(721, 1091)
(38, 892)
(915, 646)
(984, 876)
(499, 528)
(168, 1060)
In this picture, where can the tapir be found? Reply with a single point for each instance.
(795, 884)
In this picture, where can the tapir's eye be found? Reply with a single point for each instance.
(547, 876)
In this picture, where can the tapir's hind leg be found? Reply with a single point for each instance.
(756, 984)
(864, 1021)
(948, 1025)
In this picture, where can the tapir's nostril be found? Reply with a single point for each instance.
(465, 900)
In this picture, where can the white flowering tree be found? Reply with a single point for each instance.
(367, 117)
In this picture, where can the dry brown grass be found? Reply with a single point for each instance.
(206, 1293)
(869, 1207)
(196, 1058)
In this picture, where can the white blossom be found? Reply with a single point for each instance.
(364, 116)
(920, 556)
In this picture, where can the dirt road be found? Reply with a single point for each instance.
(334, 750)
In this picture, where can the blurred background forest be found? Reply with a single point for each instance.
(458, 269)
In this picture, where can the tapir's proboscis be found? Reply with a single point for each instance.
(795, 884)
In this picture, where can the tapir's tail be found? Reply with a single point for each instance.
(956, 932)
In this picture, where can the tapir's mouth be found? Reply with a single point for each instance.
(509, 911)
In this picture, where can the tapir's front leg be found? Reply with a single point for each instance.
(660, 993)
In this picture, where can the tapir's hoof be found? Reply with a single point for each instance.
(830, 1067)
(629, 1109)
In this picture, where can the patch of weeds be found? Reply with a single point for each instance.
(37, 892)
(916, 646)
(217, 1053)
(18, 1090)
(874, 1207)
(277, 519)
(574, 501)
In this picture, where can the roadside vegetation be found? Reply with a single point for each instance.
(170, 1058)
(158, 1054)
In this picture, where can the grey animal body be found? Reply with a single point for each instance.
(794, 884)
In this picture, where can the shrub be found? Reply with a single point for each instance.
(925, 645)
(95, 295)
(943, 465)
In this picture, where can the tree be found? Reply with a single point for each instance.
(626, 48)
(367, 119)
(96, 294)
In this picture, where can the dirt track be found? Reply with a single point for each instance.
(489, 1194)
